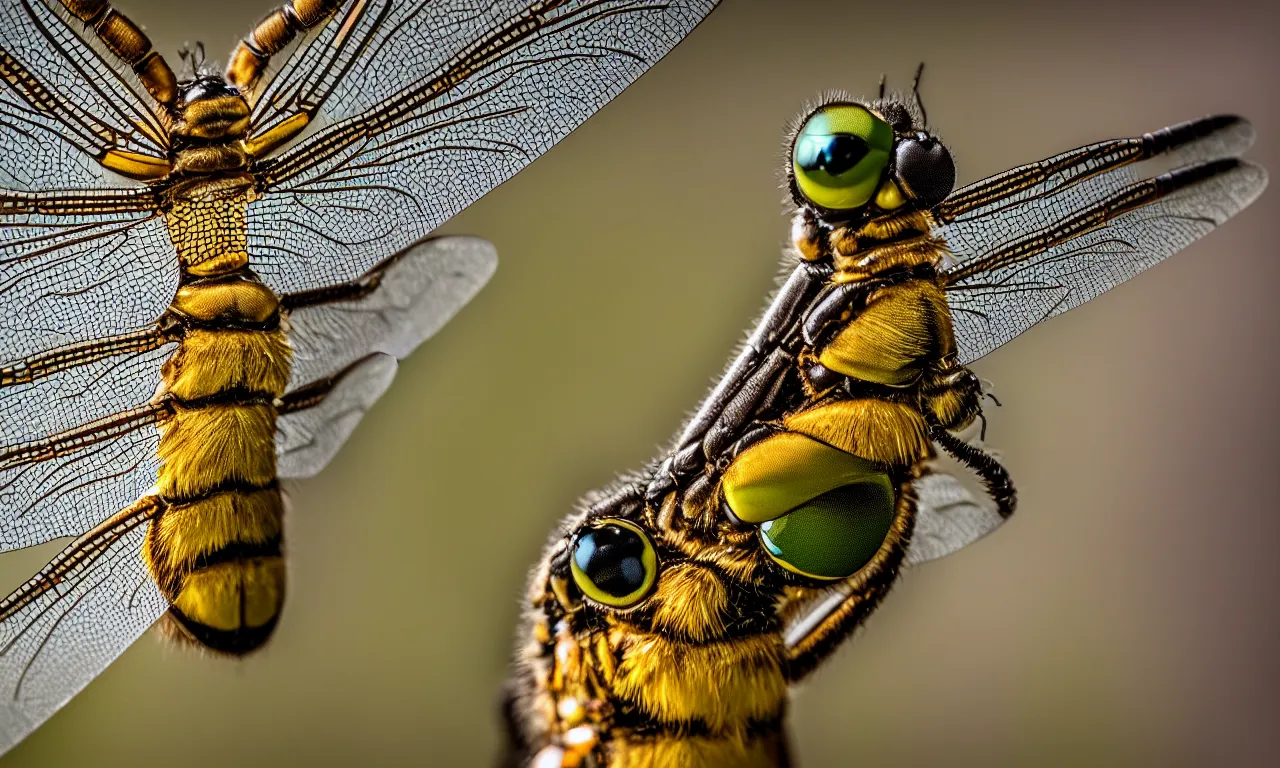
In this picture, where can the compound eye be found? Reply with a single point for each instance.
(834, 535)
(614, 563)
(925, 170)
(207, 89)
(840, 155)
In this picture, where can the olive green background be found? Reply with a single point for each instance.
(1126, 616)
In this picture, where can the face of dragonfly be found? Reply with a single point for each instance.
(853, 162)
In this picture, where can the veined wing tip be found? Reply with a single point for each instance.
(1244, 134)
(1236, 184)
(1250, 179)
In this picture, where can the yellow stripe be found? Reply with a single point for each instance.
(204, 449)
(213, 361)
(203, 528)
(218, 597)
(726, 684)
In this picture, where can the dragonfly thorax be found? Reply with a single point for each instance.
(207, 127)
(209, 110)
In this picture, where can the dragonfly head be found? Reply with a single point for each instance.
(208, 109)
(853, 162)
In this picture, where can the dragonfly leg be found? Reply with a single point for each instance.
(271, 36)
(992, 473)
(127, 42)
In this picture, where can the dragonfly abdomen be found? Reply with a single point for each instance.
(216, 550)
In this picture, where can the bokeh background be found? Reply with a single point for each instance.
(1126, 616)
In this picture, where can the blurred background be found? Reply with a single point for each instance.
(1127, 615)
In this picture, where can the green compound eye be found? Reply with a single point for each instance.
(840, 155)
(834, 535)
(614, 563)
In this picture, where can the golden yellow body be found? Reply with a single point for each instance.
(697, 673)
(672, 615)
(215, 550)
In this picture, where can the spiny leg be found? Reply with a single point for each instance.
(268, 38)
(992, 473)
(127, 42)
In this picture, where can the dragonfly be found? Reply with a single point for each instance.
(672, 613)
(206, 281)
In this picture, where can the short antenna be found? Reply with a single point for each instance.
(193, 58)
(882, 79)
(915, 91)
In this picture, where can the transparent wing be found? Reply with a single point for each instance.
(83, 252)
(60, 390)
(429, 106)
(65, 484)
(1092, 172)
(390, 310)
(80, 350)
(62, 106)
(69, 279)
(61, 629)
(948, 518)
(317, 420)
(1036, 241)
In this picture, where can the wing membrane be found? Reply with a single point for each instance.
(346, 340)
(318, 419)
(74, 279)
(59, 391)
(948, 518)
(1097, 170)
(66, 484)
(62, 105)
(402, 151)
(393, 308)
(1028, 255)
(64, 626)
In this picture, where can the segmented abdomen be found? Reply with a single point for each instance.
(216, 550)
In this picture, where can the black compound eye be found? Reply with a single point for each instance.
(209, 88)
(614, 563)
(924, 170)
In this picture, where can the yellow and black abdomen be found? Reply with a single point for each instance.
(216, 550)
